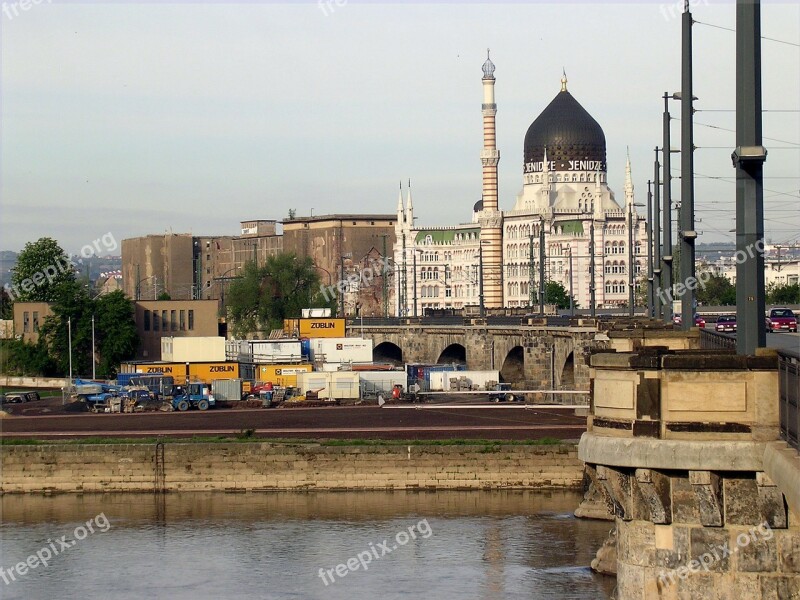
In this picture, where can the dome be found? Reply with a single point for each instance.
(574, 140)
(478, 206)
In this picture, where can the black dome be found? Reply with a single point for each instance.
(570, 134)
(478, 206)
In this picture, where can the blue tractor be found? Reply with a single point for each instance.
(193, 395)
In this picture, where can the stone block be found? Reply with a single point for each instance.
(788, 544)
(741, 501)
(704, 542)
(685, 508)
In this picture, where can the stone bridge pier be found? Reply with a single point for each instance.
(683, 453)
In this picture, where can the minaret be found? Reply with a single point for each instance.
(628, 184)
(546, 182)
(490, 218)
(409, 208)
(401, 214)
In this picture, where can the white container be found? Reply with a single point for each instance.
(344, 385)
(314, 382)
(341, 350)
(267, 352)
(193, 349)
(229, 390)
(316, 313)
(440, 380)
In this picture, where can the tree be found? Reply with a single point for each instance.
(555, 293)
(6, 305)
(116, 339)
(783, 293)
(164, 296)
(264, 296)
(22, 358)
(42, 269)
(717, 291)
(292, 213)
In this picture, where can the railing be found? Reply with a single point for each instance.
(711, 340)
(789, 396)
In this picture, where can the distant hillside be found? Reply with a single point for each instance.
(8, 260)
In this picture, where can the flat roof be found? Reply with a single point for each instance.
(342, 217)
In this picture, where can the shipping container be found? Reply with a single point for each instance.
(281, 375)
(420, 374)
(176, 370)
(341, 350)
(314, 313)
(229, 390)
(322, 328)
(193, 349)
(313, 382)
(208, 372)
(440, 381)
(269, 351)
(344, 385)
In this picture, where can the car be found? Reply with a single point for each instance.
(698, 320)
(726, 323)
(502, 393)
(781, 319)
(20, 397)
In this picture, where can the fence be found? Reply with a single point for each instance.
(789, 393)
(711, 340)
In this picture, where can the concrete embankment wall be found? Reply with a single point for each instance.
(266, 466)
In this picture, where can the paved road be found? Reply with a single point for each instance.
(503, 422)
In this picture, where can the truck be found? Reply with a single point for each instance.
(194, 395)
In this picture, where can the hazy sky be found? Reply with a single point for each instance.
(136, 118)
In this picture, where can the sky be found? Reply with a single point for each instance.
(132, 118)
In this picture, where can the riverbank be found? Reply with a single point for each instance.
(258, 466)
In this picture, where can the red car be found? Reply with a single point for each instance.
(698, 321)
(726, 323)
(781, 319)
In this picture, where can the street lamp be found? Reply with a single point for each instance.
(69, 342)
(571, 298)
(481, 307)
(631, 296)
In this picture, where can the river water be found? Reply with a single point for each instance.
(442, 546)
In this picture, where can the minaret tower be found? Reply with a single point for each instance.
(490, 218)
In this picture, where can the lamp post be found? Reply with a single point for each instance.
(94, 354)
(542, 255)
(571, 298)
(592, 297)
(414, 269)
(649, 226)
(69, 342)
(481, 307)
(666, 228)
(657, 299)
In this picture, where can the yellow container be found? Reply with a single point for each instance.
(282, 375)
(321, 328)
(176, 370)
(208, 372)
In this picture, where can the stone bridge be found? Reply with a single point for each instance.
(527, 356)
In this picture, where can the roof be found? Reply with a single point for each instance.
(444, 236)
(342, 217)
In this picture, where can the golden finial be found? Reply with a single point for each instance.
(564, 80)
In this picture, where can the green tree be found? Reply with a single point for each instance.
(717, 291)
(116, 339)
(264, 296)
(42, 268)
(6, 305)
(22, 358)
(164, 296)
(555, 293)
(783, 294)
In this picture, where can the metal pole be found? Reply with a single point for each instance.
(480, 280)
(385, 290)
(404, 282)
(592, 310)
(649, 230)
(631, 297)
(138, 281)
(69, 338)
(542, 255)
(657, 297)
(571, 298)
(414, 268)
(688, 234)
(666, 214)
(749, 160)
(94, 354)
(340, 307)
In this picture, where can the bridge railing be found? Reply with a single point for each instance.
(712, 340)
(789, 393)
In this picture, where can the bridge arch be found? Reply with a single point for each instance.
(454, 353)
(567, 379)
(513, 368)
(388, 352)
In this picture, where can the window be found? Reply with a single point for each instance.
(183, 320)
(36, 321)
(147, 320)
(156, 320)
(164, 323)
(173, 320)
(191, 320)
(25, 322)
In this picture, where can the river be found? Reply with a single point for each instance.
(280, 545)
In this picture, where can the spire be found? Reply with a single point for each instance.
(400, 209)
(410, 207)
(563, 79)
(628, 181)
(488, 67)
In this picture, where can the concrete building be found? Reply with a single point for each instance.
(28, 318)
(194, 267)
(343, 247)
(173, 318)
(565, 206)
